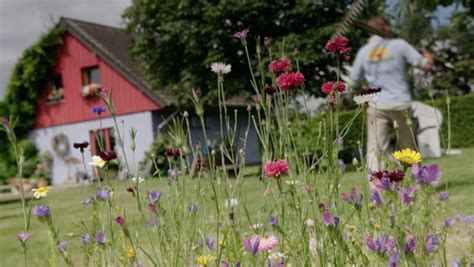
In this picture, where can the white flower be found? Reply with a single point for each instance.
(309, 222)
(220, 68)
(355, 162)
(97, 162)
(361, 99)
(140, 180)
(230, 203)
(395, 125)
(293, 182)
(40, 192)
(276, 256)
(256, 226)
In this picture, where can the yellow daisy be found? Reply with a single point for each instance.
(40, 192)
(204, 260)
(407, 156)
(130, 253)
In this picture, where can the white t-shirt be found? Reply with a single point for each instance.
(383, 63)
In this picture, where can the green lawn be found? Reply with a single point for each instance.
(67, 211)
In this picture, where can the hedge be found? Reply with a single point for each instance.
(462, 125)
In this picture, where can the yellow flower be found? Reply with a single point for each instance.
(40, 192)
(350, 227)
(204, 260)
(130, 253)
(97, 162)
(407, 156)
(377, 226)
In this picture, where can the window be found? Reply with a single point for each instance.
(90, 75)
(102, 140)
(91, 81)
(56, 90)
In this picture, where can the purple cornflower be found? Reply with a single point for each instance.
(61, 246)
(426, 174)
(5, 123)
(86, 238)
(278, 263)
(376, 198)
(342, 166)
(448, 222)
(273, 220)
(23, 237)
(353, 198)
(443, 196)
(88, 201)
(329, 220)
(407, 195)
(120, 221)
(394, 259)
(155, 196)
(455, 263)
(100, 238)
(241, 34)
(42, 211)
(431, 243)
(193, 208)
(410, 245)
(379, 245)
(98, 110)
(251, 244)
(211, 242)
(102, 194)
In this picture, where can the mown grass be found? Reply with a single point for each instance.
(67, 211)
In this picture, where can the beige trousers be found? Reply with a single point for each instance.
(379, 125)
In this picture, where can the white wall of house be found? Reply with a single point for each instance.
(79, 132)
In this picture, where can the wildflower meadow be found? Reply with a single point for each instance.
(291, 211)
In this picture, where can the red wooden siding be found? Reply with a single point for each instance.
(72, 56)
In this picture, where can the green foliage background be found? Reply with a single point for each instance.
(21, 100)
(461, 114)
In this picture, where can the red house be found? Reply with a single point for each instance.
(95, 57)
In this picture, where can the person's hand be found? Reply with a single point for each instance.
(429, 59)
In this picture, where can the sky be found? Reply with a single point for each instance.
(23, 21)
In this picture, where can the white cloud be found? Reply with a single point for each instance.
(23, 21)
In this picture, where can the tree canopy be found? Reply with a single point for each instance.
(178, 40)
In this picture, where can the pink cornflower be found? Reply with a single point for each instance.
(328, 87)
(241, 34)
(280, 65)
(339, 46)
(275, 168)
(288, 81)
(268, 243)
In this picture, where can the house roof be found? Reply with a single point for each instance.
(113, 46)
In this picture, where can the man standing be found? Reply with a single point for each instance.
(383, 63)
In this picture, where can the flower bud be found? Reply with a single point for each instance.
(249, 108)
(409, 122)
(395, 125)
(185, 114)
(296, 52)
(355, 162)
(213, 152)
(266, 41)
(242, 152)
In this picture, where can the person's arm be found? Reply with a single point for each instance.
(412, 56)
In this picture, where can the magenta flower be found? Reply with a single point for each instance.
(81, 146)
(386, 180)
(288, 81)
(120, 221)
(431, 243)
(23, 237)
(328, 87)
(269, 89)
(61, 246)
(107, 155)
(274, 169)
(329, 220)
(426, 174)
(241, 34)
(280, 65)
(339, 46)
(152, 208)
(251, 244)
(379, 245)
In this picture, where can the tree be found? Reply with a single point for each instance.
(177, 40)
